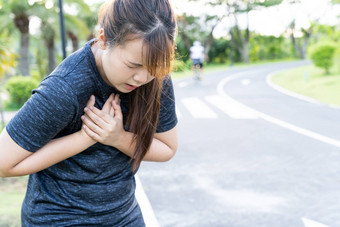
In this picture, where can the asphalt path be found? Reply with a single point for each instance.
(248, 155)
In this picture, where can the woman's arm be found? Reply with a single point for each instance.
(106, 127)
(16, 161)
(163, 146)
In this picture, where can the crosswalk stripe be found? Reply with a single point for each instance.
(230, 107)
(197, 108)
(311, 223)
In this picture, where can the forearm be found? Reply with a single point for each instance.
(158, 151)
(53, 152)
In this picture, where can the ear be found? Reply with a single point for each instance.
(101, 39)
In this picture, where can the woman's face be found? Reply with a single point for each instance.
(122, 66)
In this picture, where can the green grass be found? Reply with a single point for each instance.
(12, 192)
(321, 87)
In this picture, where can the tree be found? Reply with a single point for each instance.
(7, 57)
(75, 28)
(235, 8)
(300, 44)
(21, 11)
(190, 29)
(322, 55)
(79, 26)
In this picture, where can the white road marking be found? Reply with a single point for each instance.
(295, 95)
(310, 223)
(198, 109)
(287, 92)
(276, 121)
(230, 107)
(145, 206)
(182, 84)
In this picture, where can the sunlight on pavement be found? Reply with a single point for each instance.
(240, 200)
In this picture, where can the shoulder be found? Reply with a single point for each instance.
(167, 83)
(76, 73)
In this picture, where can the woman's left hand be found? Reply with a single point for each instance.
(106, 125)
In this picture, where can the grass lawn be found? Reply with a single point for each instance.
(12, 192)
(321, 87)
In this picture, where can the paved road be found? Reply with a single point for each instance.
(248, 155)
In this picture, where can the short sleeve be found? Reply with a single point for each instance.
(50, 109)
(167, 115)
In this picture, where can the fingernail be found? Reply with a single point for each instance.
(91, 107)
(82, 117)
(85, 109)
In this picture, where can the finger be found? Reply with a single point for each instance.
(98, 116)
(91, 101)
(91, 134)
(117, 110)
(112, 112)
(117, 99)
(107, 105)
(91, 125)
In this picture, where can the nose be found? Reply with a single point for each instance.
(141, 77)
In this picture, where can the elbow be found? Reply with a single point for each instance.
(4, 173)
(7, 171)
(171, 155)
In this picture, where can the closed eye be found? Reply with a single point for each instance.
(133, 65)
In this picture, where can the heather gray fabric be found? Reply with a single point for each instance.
(95, 187)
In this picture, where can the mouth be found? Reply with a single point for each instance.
(130, 87)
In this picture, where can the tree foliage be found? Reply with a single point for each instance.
(322, 55)
(8, 58)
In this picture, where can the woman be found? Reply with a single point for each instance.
(87, 127)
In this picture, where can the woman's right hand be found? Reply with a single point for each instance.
(105, 125)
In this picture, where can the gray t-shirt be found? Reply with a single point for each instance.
(96, 186)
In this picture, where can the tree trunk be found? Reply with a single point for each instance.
(308, 34)
(208, 45)
(245, 52)
(24, 60)
(22, 22)
(74, 40)
(297, 47)
(51, 55)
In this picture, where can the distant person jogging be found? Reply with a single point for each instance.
(197, 59)
(84, 132)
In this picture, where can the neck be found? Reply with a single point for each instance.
(97, 53)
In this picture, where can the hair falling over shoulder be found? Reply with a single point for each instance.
(154, 22)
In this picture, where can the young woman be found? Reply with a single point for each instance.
(87, 127)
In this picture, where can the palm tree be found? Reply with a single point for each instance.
(21, 11)
(76, 29)
(81, 25)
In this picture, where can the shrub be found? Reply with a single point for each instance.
(20, 89)
(322, 55)
(179, 66)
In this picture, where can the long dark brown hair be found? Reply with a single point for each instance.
(154, 22)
